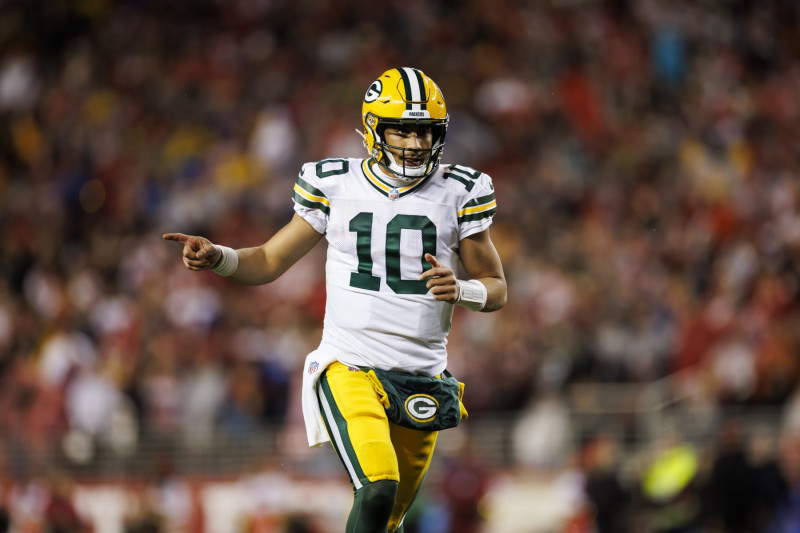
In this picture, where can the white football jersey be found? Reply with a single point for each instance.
(378, 313)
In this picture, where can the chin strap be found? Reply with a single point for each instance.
(393, 166)
(400, 171)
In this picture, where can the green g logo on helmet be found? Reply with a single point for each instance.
(421, 407)
(373, 92)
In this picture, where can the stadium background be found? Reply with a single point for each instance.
(646, 156)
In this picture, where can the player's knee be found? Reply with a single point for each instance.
(377, 499)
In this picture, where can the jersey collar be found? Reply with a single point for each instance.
(385, 188)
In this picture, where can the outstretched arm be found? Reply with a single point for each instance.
(482, 265)
(258, 265)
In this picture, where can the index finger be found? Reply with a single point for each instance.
(432, 260)
(180, 237)
(436, 269)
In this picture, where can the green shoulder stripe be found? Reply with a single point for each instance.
(478, 208)
(490, 212)
(480, 201)
(309, 188)
(311, 205)
(309, 196)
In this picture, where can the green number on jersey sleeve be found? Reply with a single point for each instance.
(465, 175)
(361, 225)
(332, 167)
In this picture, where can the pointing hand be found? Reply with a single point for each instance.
(198, 252)
(441, 280)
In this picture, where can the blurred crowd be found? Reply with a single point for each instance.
(645, 154)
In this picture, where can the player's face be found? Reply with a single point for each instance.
(411, 144)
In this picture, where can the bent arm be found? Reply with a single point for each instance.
(265, 263)
(481, 261)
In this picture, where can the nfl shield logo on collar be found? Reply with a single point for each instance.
(312, 367)
(394, 194)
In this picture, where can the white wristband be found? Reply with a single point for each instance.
(471, 294)
(228, 263)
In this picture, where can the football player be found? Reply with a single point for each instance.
(408, 238)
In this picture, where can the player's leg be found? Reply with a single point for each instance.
(414, 450)
(359, 431)
(372, 507)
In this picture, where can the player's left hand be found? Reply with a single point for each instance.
(441, 281)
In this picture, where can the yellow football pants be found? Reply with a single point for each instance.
(371, 447)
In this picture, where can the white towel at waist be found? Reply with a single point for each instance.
(316, 362)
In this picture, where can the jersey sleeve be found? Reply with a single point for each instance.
(478, 207)
(310, 202)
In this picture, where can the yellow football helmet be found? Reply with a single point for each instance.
(402, 97)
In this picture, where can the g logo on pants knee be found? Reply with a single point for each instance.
(421, 407)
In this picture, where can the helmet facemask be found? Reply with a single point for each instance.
(382, 151)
